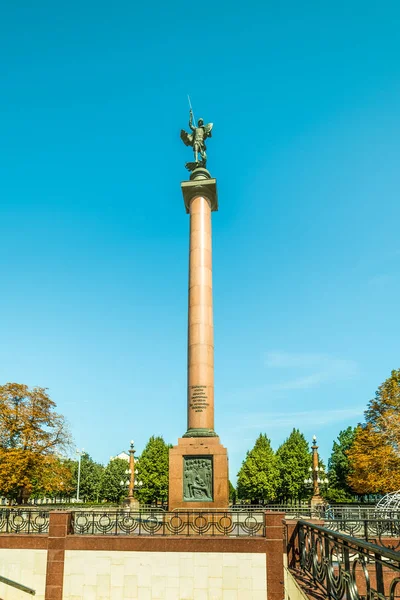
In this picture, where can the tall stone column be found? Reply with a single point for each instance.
(198, 470)
(200, 202)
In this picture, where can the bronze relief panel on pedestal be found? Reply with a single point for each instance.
(197, 478)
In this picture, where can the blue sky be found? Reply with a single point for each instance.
(94, 237)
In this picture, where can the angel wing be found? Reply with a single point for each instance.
(187, 138)
(207, 129)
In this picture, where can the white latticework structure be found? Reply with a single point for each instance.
(389, 504)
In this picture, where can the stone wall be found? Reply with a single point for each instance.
(25, 566)
(164, 575)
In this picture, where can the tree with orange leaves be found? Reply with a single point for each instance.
(383, 412)
(32, 436)
(374, 466)
(375, 453)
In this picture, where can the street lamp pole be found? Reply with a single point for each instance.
(79, 453)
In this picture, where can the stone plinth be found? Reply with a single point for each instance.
(193, 448)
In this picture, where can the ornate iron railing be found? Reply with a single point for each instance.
(346, 568)
(16, 520)
(183, 523)
(384, 532)
(356, 512)
(291, 511)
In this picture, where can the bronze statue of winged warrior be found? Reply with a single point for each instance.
(196, 140)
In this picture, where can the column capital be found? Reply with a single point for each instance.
(201, 184)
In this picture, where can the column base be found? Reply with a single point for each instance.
(131, 503)
(199, 432)
(316, 501)
(190, 483)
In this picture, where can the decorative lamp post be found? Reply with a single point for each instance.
(131, 483)
(318, 477)
(131, 472)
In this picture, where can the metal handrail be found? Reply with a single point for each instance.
(18, 586)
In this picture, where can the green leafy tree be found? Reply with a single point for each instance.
(339, 468)
(152, 470)
(111, 489)
(232, 493)
(90, 480)
(259, 473)
(294, 460)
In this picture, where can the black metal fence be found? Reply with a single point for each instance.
(384, 532)
(343, 567)
(295, 509)
(14, 520)
(357, 511)
(183, 523)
